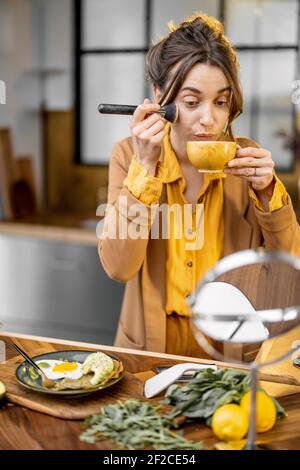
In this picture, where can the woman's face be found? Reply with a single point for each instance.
(203, 105)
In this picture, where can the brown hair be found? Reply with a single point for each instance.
(198, 39)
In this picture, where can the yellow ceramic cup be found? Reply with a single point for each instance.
(211, 156)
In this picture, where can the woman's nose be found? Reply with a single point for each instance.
(206, 116)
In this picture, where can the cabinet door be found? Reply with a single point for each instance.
(58, 290)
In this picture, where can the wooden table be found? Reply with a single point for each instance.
(22, 428)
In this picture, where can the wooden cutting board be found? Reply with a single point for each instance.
(67, 408)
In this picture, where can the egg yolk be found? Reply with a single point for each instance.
(65, 367)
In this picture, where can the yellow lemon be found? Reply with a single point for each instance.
(231, 445)
(265, 410)
(230, 422)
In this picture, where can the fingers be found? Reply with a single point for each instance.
(251, 161)
(147, 123)
(253, 164)
(142, 110)
(152, 130)
(156, 140)
(145, 128)
(254, 179)
(251, 172)
(253, 152)
(248, 162)
(148, 132)
(144, 132)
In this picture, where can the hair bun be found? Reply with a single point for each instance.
(200, 18)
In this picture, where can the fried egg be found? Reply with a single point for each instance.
(54, 369)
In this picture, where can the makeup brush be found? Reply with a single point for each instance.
(168, 112)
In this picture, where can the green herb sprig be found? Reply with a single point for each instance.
(135, 424)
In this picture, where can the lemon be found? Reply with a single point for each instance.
(231, 445)
(265, 410)
(230, 422)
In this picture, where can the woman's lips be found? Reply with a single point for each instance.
(204, 137)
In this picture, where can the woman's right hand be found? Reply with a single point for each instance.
(147, 135)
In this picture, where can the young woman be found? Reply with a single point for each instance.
(196, 66)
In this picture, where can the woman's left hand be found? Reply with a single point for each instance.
(254, 165)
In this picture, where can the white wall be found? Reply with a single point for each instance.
(36, 65)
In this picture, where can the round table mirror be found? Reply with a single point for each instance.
(246, 299)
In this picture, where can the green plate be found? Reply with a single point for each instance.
(25, 378)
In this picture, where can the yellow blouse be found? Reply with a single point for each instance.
(189, 256)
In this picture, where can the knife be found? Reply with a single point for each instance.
(159, 382)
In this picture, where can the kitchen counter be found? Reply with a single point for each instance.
(23, 428)
(57, 288)
(70, 228)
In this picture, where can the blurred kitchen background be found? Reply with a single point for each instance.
(58, 60)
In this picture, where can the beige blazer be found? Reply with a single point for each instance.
(141, 263)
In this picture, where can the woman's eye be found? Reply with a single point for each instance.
(221, 103)
(191, 104)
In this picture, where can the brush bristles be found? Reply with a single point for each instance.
(171, 112)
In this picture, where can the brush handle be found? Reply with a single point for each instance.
(169, 111)
(123, 109)
(116, 109)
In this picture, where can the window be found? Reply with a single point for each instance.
(111, 46)
(113, 36)
(265, 34)
(111, 41)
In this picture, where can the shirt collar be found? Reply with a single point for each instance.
(171, 162)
